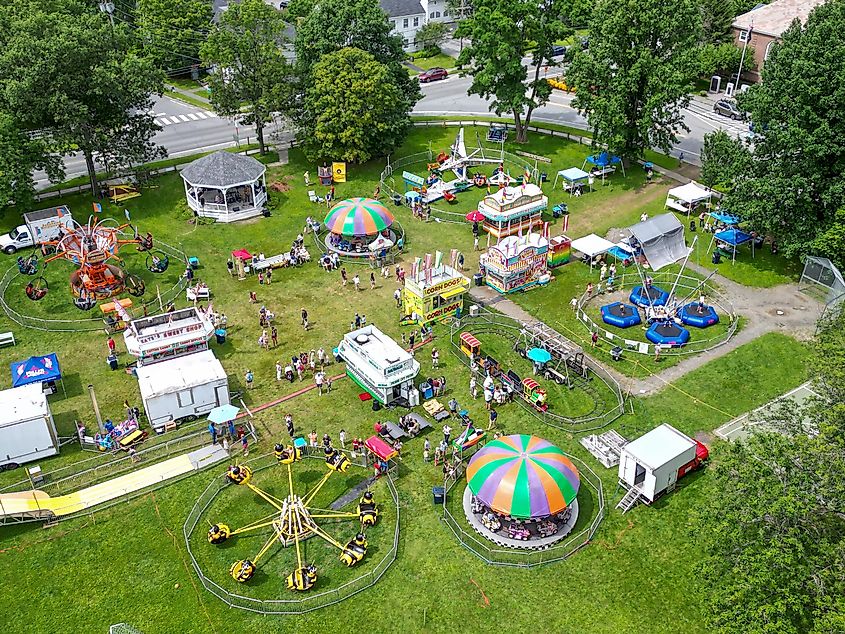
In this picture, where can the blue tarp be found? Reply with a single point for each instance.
(603, 159)
(36, 370)
(728, 219)
(733, 237)
(573, 174)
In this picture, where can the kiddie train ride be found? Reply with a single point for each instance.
(93, 247)
(294, 519)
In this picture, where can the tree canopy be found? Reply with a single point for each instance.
(774, 548)
(431, 34)
(725, 160)
(796, 191)
(354, 110)
(249, 66)
(20, 154)
(494, 57)
(83, 88)
(172, 31)
(633, 82)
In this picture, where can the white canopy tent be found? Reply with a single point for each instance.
(661, 239)
(686, 197)
(592, 246)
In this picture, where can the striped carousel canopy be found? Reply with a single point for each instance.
(358, 217)
(523, 476)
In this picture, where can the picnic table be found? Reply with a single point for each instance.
(394, 431)
(272, 262)
(421, 422)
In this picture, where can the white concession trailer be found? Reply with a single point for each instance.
(27, 430)
(183, 388)
(654, 462)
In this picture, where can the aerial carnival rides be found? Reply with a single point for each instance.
(294, 519)
(94, 248)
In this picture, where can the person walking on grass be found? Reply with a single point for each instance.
(289, 424)
(473, 387)
(342, 437)
(494, 415)
(279, 370)
(110, 343)
(435, 358)
(319, 379)
(397, 296)
(594, 338)
(657, 350)
(447, 432)
(356, 281)
(304, 314)
(248, 377)
(274, 335)
(343, 277)
(213, 431)
(312, 438)
(245, 444)
(372, 281)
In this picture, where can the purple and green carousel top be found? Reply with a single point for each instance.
(358, 217)
(523, 476)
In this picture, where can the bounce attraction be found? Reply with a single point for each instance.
(294, 519)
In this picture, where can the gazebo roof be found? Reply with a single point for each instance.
(223, 169)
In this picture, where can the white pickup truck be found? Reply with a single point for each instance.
(39, 226)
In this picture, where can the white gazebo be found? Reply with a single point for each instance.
(226, 186)
(686, 197)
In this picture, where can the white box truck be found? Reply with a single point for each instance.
(182, 389)
(38, 226)
(27, 430)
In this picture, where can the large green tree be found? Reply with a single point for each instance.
(797, 190)
(249, 68)
(82, 87)
(725, 160)
(431, 34)
(20, 155)
(717, 16)
(494, 57)
(633, 83)
(172, 31)
(332, 25)
(354, 110)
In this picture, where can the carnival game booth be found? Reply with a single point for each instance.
(513, 209)
(652, 464)
(560, 251)
(517, 263)
(355, 224)
(434, 294)
(182, 389)
(379, 365)
(169, 335)
(226, 186)
(686, 198)
(42, 370)
(27, 430)
(521, 492)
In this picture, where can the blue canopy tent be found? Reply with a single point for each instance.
(573, 179)
(39, 369)
(730, 239)
(603, 164)
(725, 218)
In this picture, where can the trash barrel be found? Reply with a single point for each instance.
(220, 333)
(478, 278)
(112, 360)
(439, 494)
(426, 390)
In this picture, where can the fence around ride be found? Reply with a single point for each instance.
(300, 603)
(92, 322)
(496, 555)
(684, 285)
(601, 416)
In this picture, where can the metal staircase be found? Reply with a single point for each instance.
(630, 499)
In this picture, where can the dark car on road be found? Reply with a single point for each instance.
(433, 75)
(728, 108)
(558, 51)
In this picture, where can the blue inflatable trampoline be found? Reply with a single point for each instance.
(700, 316)
(620, 315)
(667, 333)
(641, 295)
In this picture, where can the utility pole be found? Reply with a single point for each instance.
(742, 57)
(96, 408)
(108, 9)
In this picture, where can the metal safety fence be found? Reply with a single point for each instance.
(496, 555)
(299, 604)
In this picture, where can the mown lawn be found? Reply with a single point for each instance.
(441, 59)
(129, 564)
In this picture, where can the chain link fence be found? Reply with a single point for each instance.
(298, 604)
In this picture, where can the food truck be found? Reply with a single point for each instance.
(433, 295)
(378, 364)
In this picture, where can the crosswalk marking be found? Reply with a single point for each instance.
(162, 121)
(202, 115)
(209, 113)
(165, 120)
(183, 117)
(192, 116)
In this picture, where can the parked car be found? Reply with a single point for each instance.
(728, 108)
(433, 75)
(558, 51)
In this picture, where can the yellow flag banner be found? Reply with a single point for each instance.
(339, 172)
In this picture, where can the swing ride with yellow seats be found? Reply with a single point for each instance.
(294, 519)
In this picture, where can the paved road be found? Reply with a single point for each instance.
(449, 97)
(187, 129)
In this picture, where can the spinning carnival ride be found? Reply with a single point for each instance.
(294, 520)
(94, 247)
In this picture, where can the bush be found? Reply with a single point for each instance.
(429, 51)
(723, 60)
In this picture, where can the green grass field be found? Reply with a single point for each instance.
(129, 563)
